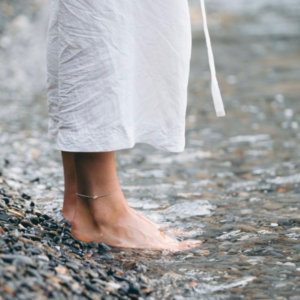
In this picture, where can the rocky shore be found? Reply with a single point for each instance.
(39, 259)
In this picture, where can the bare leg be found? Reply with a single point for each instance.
(110, 219)
(70, 188)
(69, 204)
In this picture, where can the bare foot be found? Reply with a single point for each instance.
(69, 206)
(165, 228)
(68, 210)
(112, 221)
(144, 218)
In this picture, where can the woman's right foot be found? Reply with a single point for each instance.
(110, 220)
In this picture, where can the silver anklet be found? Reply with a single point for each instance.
(96, 197)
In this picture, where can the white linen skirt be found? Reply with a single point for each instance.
(118, 74)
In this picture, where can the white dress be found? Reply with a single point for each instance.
(118, 74)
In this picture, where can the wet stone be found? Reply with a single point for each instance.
(34, 273)
(14, 221)
(6, 200)
(32, 237)
(105, 257)
(103, 248)
(102, 274)
(72, 266)
(34, 220)
(68, 242)
(26, 223)
(16, 213)
(43, 258)
(10, 258)
(91, 287)
(92, 245)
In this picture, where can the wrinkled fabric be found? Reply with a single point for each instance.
(118, 74)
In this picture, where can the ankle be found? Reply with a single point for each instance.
(102, 211)
(69, 197)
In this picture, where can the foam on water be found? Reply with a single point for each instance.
(188, 209)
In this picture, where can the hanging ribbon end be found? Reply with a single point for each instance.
(221, 113)
(218, 102)
(219, 107)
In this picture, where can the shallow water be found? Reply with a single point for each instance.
(236, 186)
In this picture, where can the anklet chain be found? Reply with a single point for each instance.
(96, 197)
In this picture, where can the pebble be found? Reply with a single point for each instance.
(289, 264)
(294, 229)
(15, 213)
(10, 258)
(32, 237)
(72, 266)
(106, 257)
(26, 223)
(103, 248)
(61, 270)
(43, 258)
(91, 287)
(48, 257)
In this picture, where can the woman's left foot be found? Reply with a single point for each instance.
(68, 210)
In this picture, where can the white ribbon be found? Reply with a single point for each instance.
(214, 82)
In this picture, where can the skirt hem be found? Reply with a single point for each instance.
(178, 147)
